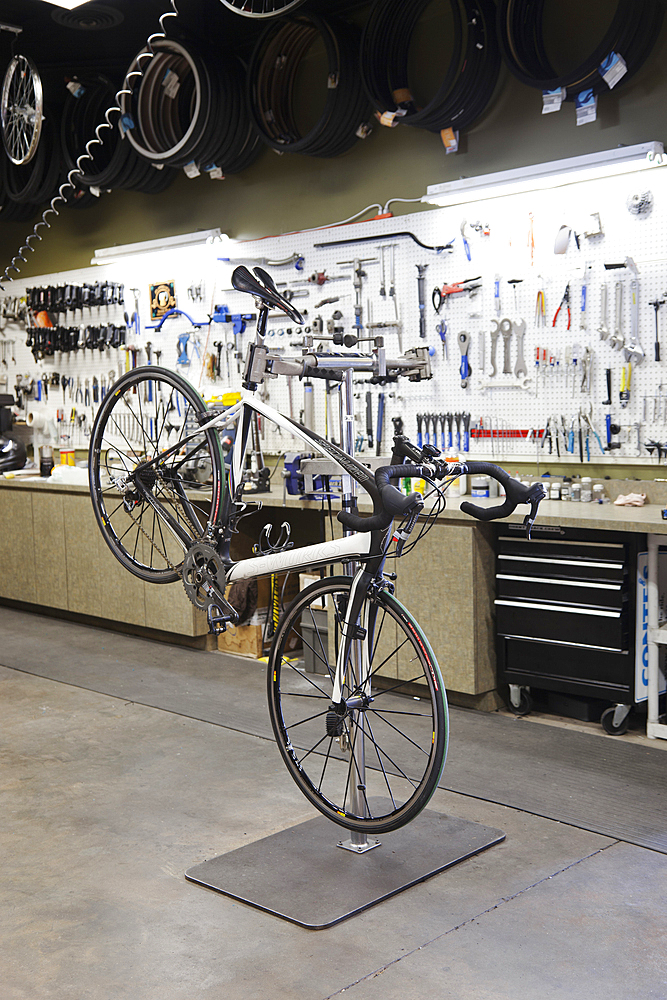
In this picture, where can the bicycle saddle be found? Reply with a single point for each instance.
(263, 287)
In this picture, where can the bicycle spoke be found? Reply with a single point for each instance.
(405, 737)
(384, 773)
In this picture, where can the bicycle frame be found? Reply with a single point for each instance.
(351, 547)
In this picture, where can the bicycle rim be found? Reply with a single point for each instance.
(150, 508)
(22, 110)
(262, 8)
(404, 725)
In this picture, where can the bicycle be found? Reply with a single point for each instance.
(365, 735)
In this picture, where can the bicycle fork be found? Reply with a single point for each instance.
(353, 669)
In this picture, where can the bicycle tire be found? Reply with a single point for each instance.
(126, 429)
(395, 790)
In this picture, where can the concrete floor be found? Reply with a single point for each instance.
(106, 803)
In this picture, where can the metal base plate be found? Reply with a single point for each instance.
(300, 876)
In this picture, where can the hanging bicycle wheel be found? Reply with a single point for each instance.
(21, 110)
(386, 747)
(151, 507)
(262, 8)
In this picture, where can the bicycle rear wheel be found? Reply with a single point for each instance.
(152, 491)
(397, 706)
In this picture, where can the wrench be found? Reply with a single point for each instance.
(494, 341)
(603, 328)
(519, 332)
(464, 343)
(617, 339)
(506, 330)
(633, 350)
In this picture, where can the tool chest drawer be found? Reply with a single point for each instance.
(605, 674)
(551, 590)
(564, 605)
(557, 622)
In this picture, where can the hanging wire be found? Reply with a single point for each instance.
(78, 171)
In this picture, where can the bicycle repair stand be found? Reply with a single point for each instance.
(296, 876)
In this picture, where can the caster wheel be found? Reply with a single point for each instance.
(607, 720)
(525, 706)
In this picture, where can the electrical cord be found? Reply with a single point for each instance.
(70, 184)
(632, 34)
(469, 80)
(272, 77)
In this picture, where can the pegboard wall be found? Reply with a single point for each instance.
(509, 239)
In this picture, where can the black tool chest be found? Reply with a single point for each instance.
(565, 610)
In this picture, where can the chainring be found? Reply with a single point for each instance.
(204, 575)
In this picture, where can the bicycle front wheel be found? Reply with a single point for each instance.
(155, 478)
(375, 767)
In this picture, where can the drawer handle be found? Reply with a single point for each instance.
(562, 610)
(600, 564)
(563, 642)
(560, 583)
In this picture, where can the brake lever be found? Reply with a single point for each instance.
(534, 500)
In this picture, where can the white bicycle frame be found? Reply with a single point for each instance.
(349, 549)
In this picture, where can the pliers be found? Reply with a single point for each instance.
(565, 301)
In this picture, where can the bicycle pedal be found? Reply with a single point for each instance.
(217, 621)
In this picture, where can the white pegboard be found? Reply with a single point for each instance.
(508, 251)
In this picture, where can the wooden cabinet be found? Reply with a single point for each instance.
(53, 555)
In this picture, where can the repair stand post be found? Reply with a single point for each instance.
(358, 842)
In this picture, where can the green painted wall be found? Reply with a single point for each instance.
(284, 193)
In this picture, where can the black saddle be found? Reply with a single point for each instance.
(263, 287)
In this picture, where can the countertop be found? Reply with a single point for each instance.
(603, 517)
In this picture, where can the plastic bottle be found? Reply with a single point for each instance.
(586, 489)
(575, 492)
(458, 487)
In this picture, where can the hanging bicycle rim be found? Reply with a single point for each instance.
(262, 8)
(148, 411)
(631, 34)
(189, 109)
(387, 739)
(280, 56)
(469, 79)
(21, 110)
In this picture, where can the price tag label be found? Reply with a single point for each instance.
(612, 69)
(191, 169)
(450, 140)
(388, 118)
(75, 88)
(586, 103)
(215, 173)
(552, 100)
(171, 83)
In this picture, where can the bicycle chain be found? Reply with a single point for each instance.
(153, 543)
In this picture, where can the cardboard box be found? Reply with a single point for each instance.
(247, 639)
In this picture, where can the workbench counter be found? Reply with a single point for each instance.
(602, 517)
(53, 556)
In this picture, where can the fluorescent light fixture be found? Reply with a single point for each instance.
(545, 176)
(67, 4)
(107, 255)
